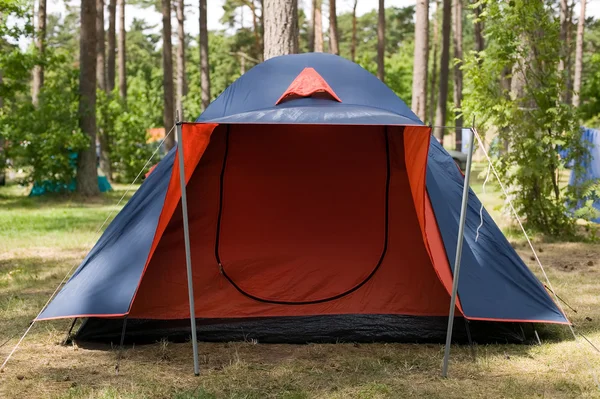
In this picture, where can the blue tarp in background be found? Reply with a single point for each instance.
(590, 166)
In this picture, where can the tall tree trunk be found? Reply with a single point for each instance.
(317, 26)
(434, 69)
(101, 82)
(180, 58)
(281, 27)
(167, 61)
(87, 175)
(204, 65)
(112, 46)
(122, 52)
(458, 75)
(255, 26)
(100, 48)
(478, 29)
(40, 44)
(311, 28)
(569, 60)
(381, 41)
(334, 47)
(353, 44)
(579, 55)
(419, 88)
(440, 112)
(564, 27)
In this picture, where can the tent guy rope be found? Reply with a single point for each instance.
(73, 267)
(539, 262)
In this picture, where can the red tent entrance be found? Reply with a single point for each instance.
(299, 215)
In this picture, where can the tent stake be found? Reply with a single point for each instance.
(120, 353)
(67, 339)
(459, 245)
(188, 255)
(471, 345)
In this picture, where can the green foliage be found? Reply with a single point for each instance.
(44, 139)
(398, 50)
(531, 120)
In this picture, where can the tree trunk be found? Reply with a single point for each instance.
(579, 55)
(569, 52)
(353, 45)
(180, 58)
(112, 46)
(458, 75)
(122, 52)
(419, 89)
(317, 26)
(381, 41)
(281, 27)
(478, 29)
(434, 69)
(167, 61)
(564, 26)
(100, 48)
(334, 47)
(440, 112)
(40, 44)
(204, 65)
(87, 175)
(101, 83)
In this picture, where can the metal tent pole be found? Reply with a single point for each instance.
(459, 245)
(188, 255)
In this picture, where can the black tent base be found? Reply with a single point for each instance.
(306, 329)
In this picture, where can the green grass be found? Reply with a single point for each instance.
(42, 238)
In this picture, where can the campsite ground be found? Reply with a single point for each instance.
(40, 239)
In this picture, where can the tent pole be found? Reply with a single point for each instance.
(188, 255)
(459, 245)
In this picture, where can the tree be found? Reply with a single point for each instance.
(478, 28)
(419, 88)
(381, 41)
(353, 48)
(458, 76)
(181, 88)
(564, 27)
(579, 55)
(204, 64)
(281, 27)
(434, 70)
(122, 52)
(167, 57)
(40, 44)
(334, 47)
(533, 122)
(317, 26)
(100, 48)
(87, 175)
(440, 112)
(112, 46)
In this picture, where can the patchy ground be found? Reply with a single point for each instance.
(41, 239)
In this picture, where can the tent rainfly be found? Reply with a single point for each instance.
(319, 210)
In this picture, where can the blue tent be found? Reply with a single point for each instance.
(319, 210)
(590, 165)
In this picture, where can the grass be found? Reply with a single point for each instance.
(42, 238)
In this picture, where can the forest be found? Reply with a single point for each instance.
(82, 82)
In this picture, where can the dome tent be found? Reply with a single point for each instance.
(319, 210)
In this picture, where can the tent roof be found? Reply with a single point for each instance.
(365, 100)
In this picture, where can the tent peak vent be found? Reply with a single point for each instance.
(308, 84)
